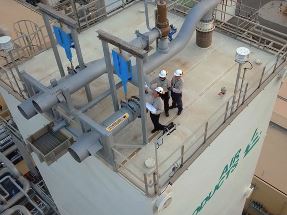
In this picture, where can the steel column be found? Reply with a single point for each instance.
(139, 63)
(110, 74)
(236, 86)
(81, 61)
(53, 44)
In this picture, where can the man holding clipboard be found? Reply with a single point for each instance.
(156, 107)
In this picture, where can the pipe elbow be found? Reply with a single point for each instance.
(84, 146)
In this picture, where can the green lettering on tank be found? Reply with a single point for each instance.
(229, 169)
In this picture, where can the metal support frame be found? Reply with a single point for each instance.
(72, 24)
(140, 55)
(53, 44)
(110, 74)
(139, 63)
(22, 149)
(74, 8)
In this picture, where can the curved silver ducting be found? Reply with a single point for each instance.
(184, 35)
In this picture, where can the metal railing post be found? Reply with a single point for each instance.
(226, 111)
(155, 183)
(275, 65)
(205, 131)
(261, 77)
(145, 184)
(182, 154)
(245, 92)
(110, 74)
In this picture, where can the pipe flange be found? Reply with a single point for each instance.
(205, 26)
(143, 37)
(159, 31)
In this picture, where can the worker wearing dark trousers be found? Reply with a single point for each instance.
(157, 103)
(162, 81)
(176, 91)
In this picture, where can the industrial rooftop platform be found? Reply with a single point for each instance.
(206, 71)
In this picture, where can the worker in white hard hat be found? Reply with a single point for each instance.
(157, 103)
(162, 81)
(176, 90)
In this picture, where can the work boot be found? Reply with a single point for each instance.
(154, 130)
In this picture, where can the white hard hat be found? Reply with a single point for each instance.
(162, 73)
(159, 90)
(178, 72)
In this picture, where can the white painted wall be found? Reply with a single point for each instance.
(86, 188)
(203, 175)
(93, 188)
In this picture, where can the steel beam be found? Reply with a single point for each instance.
(139, 63)
(53, 44)
(110, 74)
(81, 61)
(57, 15)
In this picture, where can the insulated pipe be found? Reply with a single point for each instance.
(17, 208)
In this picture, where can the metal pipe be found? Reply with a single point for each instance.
(9, 165)
(146, 15)
(93, 71)
(80, 150)
(96, 68)
(183, 36)
(17, 208)
(24, 183)
(27, 109)
(101, 134)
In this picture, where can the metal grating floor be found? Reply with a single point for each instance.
(49, 141)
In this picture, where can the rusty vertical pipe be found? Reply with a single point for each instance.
(161, 21)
